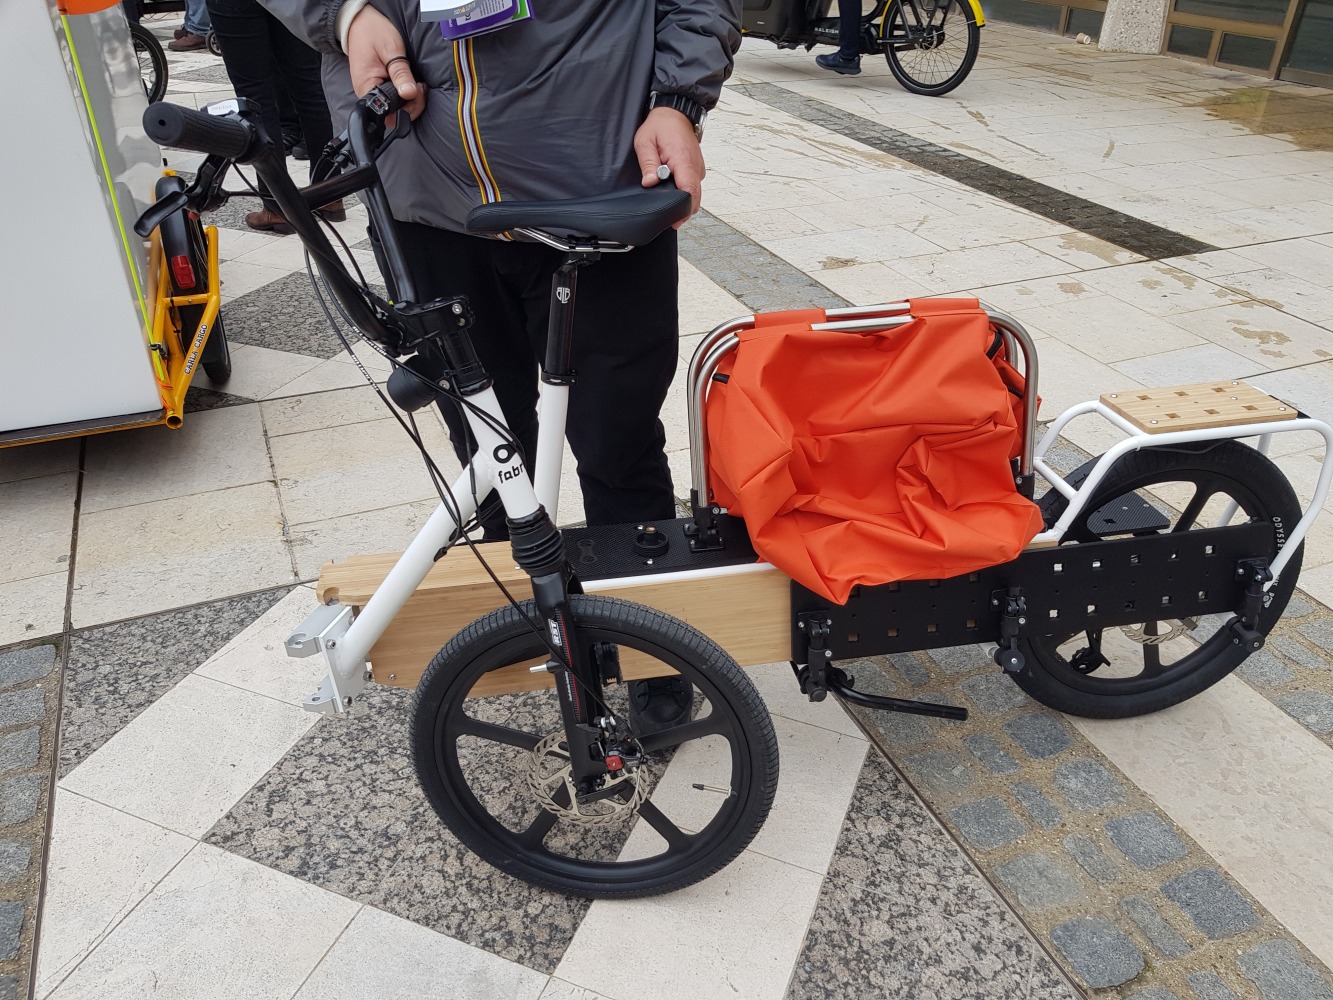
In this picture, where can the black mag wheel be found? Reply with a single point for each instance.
(930, 45)
(1133, 670)
(152, 62)
(216, 358)
(494, 767)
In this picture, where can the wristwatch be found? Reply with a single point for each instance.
(688, 107)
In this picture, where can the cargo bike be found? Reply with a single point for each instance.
(1159, 565)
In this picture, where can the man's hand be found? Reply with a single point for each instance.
(666, 136)
(373, 48)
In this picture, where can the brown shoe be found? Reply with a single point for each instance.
(269, 222)
(179, 33)
(187, 42)
(334, 211)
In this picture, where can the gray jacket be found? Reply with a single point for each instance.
(544, 109)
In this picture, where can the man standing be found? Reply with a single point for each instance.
(582, 98)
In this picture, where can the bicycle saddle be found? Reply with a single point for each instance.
(632, 217)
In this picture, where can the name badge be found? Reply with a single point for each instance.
(464, 18)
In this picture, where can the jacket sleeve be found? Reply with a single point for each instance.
(696, 47)
(312, 21)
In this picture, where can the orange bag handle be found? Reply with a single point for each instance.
(940, 307)
(790, 317)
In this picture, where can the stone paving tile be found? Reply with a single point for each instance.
(1159, 933)
(1146, 839)
(116, 671)
(1211, 902)
(990, 754)
(343, 810)
(1280, 972)
(1208, 985)
(1036, 804)
(1091, 858)
(988, 823)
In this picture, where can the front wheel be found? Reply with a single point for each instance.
(930, 45)
(496, 767)
(1116, 673)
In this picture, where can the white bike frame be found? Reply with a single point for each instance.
(346, 640)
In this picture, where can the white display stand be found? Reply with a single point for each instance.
(76, 169)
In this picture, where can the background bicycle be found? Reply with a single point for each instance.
(930, 45)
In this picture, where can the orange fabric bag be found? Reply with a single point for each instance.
(869, 457)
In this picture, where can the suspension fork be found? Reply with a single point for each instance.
(539, 551)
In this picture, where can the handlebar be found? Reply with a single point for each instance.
(227, 133)
(176, 127)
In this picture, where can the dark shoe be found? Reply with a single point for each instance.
(269, 222)
(188, 42)
(299, 151)
(334, 211)
(659, 703)
(289, 141)
(179, 33)
(836, 61)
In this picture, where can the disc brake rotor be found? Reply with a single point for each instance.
(1174, 629)
(549, 771)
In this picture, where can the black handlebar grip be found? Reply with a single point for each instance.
(384, 99)
(199, 132)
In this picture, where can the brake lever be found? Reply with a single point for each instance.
(159, 211)
(401, 127)
(206, 193)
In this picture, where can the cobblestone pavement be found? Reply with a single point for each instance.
(29, 700)
(1108, 882)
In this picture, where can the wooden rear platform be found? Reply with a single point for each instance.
(1197, 407)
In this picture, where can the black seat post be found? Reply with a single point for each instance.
(556, 368)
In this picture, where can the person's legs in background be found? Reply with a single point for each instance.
(292, 140)
(254, 42)
(194, 33)
(299, 85)
(847, 60)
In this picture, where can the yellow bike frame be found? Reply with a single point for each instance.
(172, 367)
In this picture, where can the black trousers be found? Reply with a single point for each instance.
(849, 29)
(255, 45)
(624, 356)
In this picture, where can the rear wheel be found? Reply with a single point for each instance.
(216, 358)
(930, 45)
(1133, 670)
(152, 62)
(496, 767)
